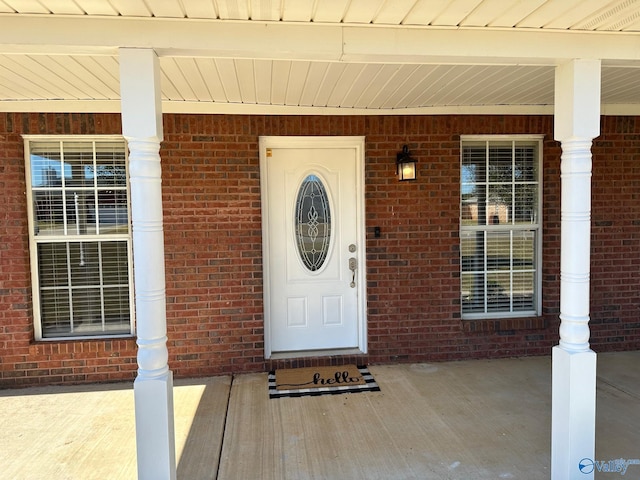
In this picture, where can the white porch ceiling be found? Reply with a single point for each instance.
(318, 56)
(590, 15)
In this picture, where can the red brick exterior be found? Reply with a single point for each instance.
(211, 193)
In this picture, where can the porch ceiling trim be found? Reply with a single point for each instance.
(214, 108)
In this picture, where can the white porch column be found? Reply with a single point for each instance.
(153, 387)
(577, 122)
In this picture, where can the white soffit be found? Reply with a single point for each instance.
(587, 15)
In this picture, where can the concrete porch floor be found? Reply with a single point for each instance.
(479, 419)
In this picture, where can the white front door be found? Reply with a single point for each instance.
(313, 243)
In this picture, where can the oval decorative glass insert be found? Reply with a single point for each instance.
(312, 222)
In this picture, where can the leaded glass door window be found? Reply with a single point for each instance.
(312, 222)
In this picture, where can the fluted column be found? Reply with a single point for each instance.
(577, 122)
(153, 387)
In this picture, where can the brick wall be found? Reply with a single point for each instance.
(211, 193)
(22, 361)
(615, 240)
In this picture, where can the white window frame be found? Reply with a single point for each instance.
(35, 240)
(497, 314)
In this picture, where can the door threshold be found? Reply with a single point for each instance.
(315, 353)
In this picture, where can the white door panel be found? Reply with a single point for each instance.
(312, 218)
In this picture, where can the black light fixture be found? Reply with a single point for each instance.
(405, 165)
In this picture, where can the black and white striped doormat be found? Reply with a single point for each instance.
(334, 383)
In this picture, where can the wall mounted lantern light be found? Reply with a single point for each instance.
(405, 165)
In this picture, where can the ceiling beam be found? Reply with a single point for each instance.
(307, 41)
(475, 46)
(169, 37)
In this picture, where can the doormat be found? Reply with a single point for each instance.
(315, 381)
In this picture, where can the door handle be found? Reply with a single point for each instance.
(353, 264)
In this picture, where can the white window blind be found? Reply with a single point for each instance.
(500, 227)
(80, 236)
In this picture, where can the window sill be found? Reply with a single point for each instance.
(503, 324)
(84, 338)
(52, 346)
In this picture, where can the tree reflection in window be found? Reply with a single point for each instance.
(312, 222)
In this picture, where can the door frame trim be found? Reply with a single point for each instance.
(358, 144)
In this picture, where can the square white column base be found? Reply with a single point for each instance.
(155, 433)
(573, 414)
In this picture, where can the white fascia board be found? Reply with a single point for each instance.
(212, 108)
(311, 41)
(486, 46)
(60, 106)
(169, 37)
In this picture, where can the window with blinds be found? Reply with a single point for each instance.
(80, 236)
(500, 226)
